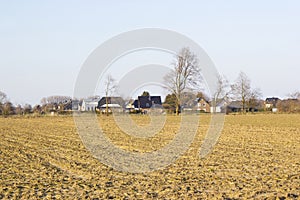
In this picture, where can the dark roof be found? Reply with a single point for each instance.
(238, 105)
(156, 100)
(272, 100)
(111, 100)
(136, 103)
(199, 99)
(147, 101)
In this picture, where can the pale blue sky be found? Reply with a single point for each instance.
(44, 43)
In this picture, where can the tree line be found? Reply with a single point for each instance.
(48, 104)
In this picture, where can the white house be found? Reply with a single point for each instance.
(219, 107)
(89, 105)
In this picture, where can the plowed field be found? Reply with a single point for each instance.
(256, 157)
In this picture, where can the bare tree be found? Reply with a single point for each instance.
(8, 108)
(255, 95)
(241, 90)
(54, 102)
(19, 110)
(27, 108)
(185, 75)
(2, 97)
(222, 92)
(289, 105)
(37, 109)
(56, 99)
(110, 87)
(294, 95)
(292, 104)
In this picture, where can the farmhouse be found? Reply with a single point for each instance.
(111, 100)
(237, 106)
(144, 103)
(234, 106)
(271, 103)
(89, 104)
(114, 104)
(203, 105)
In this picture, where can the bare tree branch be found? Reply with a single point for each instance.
(222, 92)
(294, 95)
(110, 87)
(241, 91)
(3, 97)
(185, 75)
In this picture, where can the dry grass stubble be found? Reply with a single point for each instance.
(257, 156)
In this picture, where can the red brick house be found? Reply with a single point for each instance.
(203, 105)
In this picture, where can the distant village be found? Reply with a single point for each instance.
(145, 104)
